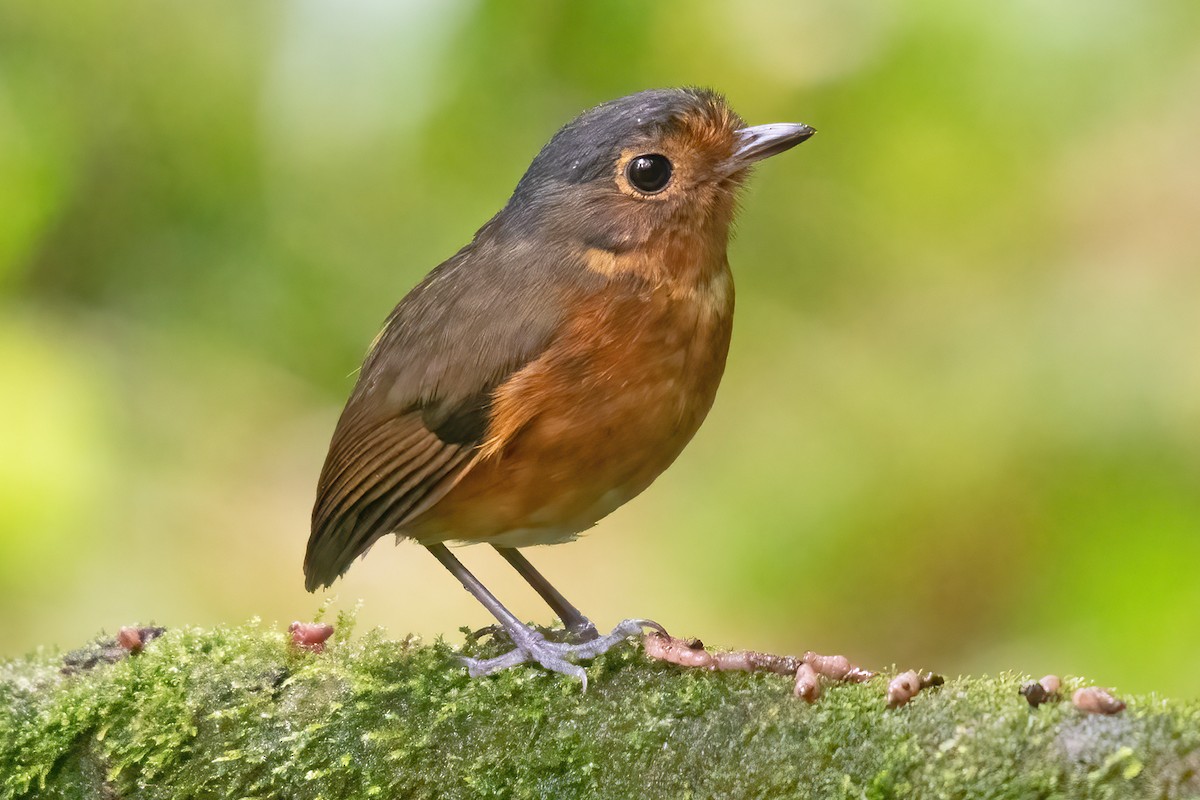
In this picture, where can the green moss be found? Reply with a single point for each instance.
(235, 713)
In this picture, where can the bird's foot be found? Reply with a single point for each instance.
(556, 656)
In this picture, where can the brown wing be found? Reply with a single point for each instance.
(375, 478)
(415, 420)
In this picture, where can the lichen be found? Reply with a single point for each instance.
(237, 713)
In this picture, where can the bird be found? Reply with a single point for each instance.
(551, 369)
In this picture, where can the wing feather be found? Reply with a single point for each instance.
(375, 471)
(374, 497)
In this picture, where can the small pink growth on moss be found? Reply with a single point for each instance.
(906, 685)
(1094, 700)
(130, 639)
(310, 636)
(903, 687)
(808, 685)
(677, 651)
(837, 668)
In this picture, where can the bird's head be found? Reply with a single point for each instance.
(655, 162)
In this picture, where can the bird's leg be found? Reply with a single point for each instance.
(531, 645)
(578, 626)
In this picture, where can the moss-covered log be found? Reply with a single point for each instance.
(238, 713)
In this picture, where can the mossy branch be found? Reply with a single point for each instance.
(238, 713)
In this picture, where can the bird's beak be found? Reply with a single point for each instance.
(764, 141)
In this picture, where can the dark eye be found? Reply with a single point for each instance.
(649, 173)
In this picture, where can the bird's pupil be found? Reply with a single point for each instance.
(649, 173)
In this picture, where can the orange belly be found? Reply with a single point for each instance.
(594, 421)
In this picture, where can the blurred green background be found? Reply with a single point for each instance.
(960, 426)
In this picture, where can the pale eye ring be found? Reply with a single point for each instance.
(649, 173)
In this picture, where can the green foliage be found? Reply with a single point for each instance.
(236, 713)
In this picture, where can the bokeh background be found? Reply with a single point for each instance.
(960, 426)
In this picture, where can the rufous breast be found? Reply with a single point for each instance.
(602, 412)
